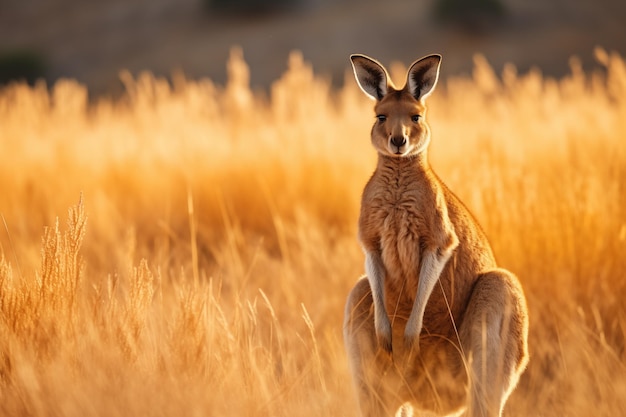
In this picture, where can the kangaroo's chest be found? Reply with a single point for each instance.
(398, 221)
(403, 225)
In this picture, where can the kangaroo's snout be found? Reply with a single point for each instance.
(398, 141)
(397, 144)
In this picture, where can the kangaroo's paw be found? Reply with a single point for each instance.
(411, 340)
(383, 335)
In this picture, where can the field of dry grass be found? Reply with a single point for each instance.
(211, 238)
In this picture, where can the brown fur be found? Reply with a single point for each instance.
(434, 323)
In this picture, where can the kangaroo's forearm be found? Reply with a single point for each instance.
(375, 271)
(433, 262)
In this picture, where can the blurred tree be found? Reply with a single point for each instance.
(21, 65)
(473, 15)
(248, 7)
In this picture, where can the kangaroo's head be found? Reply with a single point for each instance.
(400, 129)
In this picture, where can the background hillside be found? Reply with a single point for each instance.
(91, 41)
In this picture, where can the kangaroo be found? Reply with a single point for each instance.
(434, 325)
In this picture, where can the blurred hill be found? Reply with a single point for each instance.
(92, 41)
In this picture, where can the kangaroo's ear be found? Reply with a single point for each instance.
(371, 76)
(422, 76)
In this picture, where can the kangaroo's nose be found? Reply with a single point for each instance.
(398, 141)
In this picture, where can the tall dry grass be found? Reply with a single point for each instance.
(210, 241)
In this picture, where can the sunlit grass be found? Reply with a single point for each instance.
(211, 238)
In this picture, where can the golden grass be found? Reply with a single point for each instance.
(211, 237)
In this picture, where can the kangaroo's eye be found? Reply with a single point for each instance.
(415, 118)
(381, 118)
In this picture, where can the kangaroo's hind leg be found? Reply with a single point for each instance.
(494, 334)
(368, 363)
